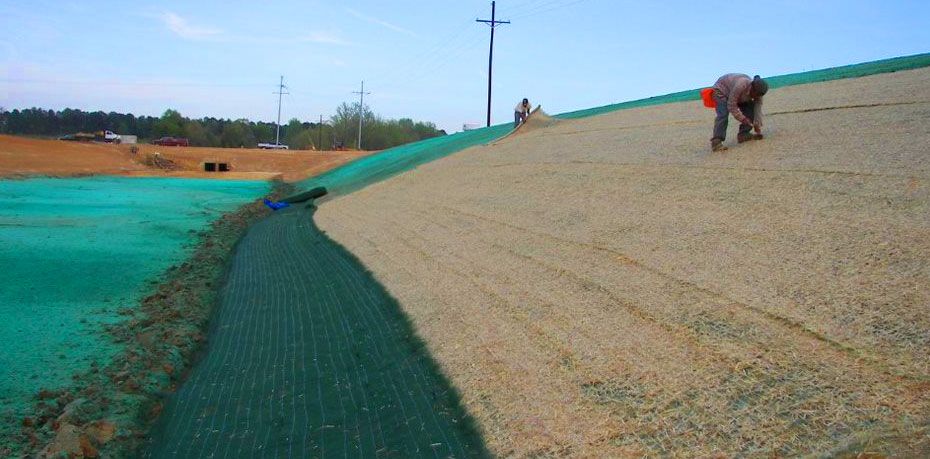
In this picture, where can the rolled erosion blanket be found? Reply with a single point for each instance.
(313, 193)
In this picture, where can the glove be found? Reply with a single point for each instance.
(757, 126)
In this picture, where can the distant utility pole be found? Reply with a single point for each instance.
(361, 111)
(320, 136)
(493, 23)
(280, 93)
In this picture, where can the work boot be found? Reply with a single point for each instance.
(747, 136)
(717, 145)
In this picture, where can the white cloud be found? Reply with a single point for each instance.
(380, 22)
(183, 29)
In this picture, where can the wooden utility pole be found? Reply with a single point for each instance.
(493, 23)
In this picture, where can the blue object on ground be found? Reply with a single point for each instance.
(275, 205)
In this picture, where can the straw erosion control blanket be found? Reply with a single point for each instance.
(608, 287)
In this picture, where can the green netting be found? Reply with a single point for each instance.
(76, 251)
(310, 357)
(814, 76)
(370, 169)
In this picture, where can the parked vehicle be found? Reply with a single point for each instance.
(107, 136)
(272, 146)
(172, 142)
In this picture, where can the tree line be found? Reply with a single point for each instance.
(341, 130)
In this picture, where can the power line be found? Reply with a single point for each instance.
(493, 23)
(546, 7)
(361, 111)
(423, 59)
(438, 64)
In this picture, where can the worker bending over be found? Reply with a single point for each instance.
(520, 112)
(738, 95)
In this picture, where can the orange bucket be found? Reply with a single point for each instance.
(707, 95)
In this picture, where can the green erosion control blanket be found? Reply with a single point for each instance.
(309, 356)
(388, 163)
(75, 251)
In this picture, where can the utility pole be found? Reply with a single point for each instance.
(493, 23)
(361, 112)
(320, 136)
(280, 93)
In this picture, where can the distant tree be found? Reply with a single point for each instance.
(197, 135)
(237, 134)
(263, 132)
(345, 122)
(170, 124)
(377, 134)
(305, 139)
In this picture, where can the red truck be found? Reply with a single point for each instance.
(171, 142)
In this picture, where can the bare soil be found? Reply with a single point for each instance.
(23, 157)
(608, 287)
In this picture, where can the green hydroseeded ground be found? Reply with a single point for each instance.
(73, 253)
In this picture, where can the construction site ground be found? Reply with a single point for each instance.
(592, 287)
(24, 157)
(608, 287)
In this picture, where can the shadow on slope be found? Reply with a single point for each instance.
(311, 357)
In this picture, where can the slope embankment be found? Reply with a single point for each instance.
(608, 287)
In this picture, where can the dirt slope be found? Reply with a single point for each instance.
(21, 156)
(609, 287)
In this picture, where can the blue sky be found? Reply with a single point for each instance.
(425, 60)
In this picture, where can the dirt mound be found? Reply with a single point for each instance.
(157, 161)
(538, 120)
(608, 287)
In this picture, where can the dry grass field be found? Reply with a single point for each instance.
(608, 287)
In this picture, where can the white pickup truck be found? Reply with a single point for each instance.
(272, 146)
(99, 136)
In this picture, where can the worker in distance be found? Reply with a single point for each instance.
(741, 96)
(520, 112)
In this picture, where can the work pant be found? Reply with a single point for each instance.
(517, 118)
(723, 117)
